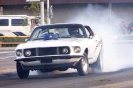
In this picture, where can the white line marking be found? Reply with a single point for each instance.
(7, 52)
(7, 57)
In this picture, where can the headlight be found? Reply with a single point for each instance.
(77, 49)
(65, 50)
(19, 53)
(28, 53)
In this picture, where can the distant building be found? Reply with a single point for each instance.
(91, 11)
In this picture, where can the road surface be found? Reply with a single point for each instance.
(115, 75)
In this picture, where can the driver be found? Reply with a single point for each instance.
(74, 32)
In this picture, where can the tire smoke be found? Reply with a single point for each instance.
(117, 56)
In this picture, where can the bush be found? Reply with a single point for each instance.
(12, 39)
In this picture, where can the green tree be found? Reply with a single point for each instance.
(34, 7)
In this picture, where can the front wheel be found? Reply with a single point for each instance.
(21, 73)
(82, 66)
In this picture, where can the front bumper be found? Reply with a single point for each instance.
(49, 66)
(49, 57)
(49, 62)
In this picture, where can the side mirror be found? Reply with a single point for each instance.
(26, 40)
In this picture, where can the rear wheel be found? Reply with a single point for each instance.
(82, 66)
(98, 65)
(21, 73)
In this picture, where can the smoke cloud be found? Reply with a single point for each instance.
(100, 19)
(105, 23)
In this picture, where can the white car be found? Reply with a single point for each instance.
(59, 47)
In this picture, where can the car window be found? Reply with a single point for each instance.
(19, 22)
(4, 22)
(81, 32)
(36, 34)
(62, 32)
(87, 32)
(76, 32)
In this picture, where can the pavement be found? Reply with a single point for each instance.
(7, 66)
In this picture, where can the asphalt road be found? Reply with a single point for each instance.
(118, 73)
(117, 79)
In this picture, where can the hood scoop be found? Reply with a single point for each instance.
(50, 36)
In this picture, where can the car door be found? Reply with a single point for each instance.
(93, 42)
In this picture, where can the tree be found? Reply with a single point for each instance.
(35, 8)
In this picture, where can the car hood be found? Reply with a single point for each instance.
(52, 43)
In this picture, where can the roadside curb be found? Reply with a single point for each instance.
(7, 48)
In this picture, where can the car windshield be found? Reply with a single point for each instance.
(62, 32)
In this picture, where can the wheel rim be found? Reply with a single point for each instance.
(84, 65)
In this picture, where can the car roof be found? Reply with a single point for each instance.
(62, 24)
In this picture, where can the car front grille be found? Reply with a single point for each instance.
(46, 51)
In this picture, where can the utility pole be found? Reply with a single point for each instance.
(42, 11)
(48, 18)
(110, 13)
(1, 10)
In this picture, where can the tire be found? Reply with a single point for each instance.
(82, 66)
(98, 65)
(23, 74)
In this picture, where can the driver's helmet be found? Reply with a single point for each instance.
(72, 31)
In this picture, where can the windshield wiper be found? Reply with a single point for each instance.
(38, 39)
(65, 37)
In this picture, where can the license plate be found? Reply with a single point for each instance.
(46, 61)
